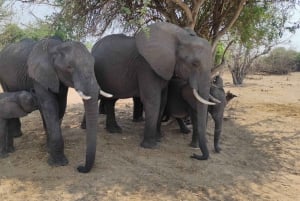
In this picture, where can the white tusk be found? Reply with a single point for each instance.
(200, 99)
(84, 97)
(105, 94)
(214, 99)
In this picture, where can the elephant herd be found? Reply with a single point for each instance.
(156, 62)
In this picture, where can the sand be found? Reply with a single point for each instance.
(260, 157)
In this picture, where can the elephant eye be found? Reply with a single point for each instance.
(69, 69)
(195, 64)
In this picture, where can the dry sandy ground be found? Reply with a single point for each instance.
(260, 158)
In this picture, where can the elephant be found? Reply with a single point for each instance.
(50, 66)
(141, 66)
(181, 103)
(13, 105)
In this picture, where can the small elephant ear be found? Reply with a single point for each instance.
(157, 44)
(40, 65)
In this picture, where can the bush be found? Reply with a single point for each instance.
(280, 61)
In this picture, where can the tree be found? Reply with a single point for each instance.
(4, 13)
(265, 25)
(13, 33)
(211, 19)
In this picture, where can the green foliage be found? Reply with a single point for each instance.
(279, 61)
(259, 24)
(219, 53)
(12, 33)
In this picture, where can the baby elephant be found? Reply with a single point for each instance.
(181, 103)
(13, 105)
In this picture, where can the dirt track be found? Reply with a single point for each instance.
(260, 158)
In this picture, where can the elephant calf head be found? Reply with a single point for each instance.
(16, 104)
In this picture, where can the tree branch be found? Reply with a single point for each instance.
(218, 67)
(195, 10)
(231, 23)
(186, 10)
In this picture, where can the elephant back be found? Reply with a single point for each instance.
(118, 46)
(13, 65)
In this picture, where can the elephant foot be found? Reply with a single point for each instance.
(199, 157)
(149, 144)
(139, 119)
(82, 169)
(3, 154)
(83, 125)
(185, 130)
(58, 160)
(17, 134)
(114, 129)
(217, 149)
(159, 136)
(11, 149)
(194, 144)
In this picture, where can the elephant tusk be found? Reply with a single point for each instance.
(200, 99)
(214, 99)
(105, 94)
(84, 97)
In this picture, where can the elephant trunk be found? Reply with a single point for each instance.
(200, 83)
(91, 112)
(89, 91)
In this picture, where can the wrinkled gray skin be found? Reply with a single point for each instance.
(141, 66)
(50, 66)
(181, 103)
(13, 105)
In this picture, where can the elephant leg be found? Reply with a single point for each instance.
(183, 128)
(62, 101)
(151, 118)
(49, 107)
(194, 142)
(10, 143)
(137, 110)
(111, 123)
(102, 106)
(14, 127)
(3, 138)
(83, 122)
(218, 119)
(46, 132)
(152, 112)
(163, 103)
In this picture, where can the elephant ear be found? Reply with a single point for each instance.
(157, 44)
(40, 65)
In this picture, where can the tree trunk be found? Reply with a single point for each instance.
(237, 78)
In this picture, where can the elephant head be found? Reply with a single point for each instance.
(52, 63)
(27, 101)
(174, 51)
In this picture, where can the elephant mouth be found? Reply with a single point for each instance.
(202, 100)
(86, 97)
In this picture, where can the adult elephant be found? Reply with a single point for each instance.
(50, 66)
(141, 66)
